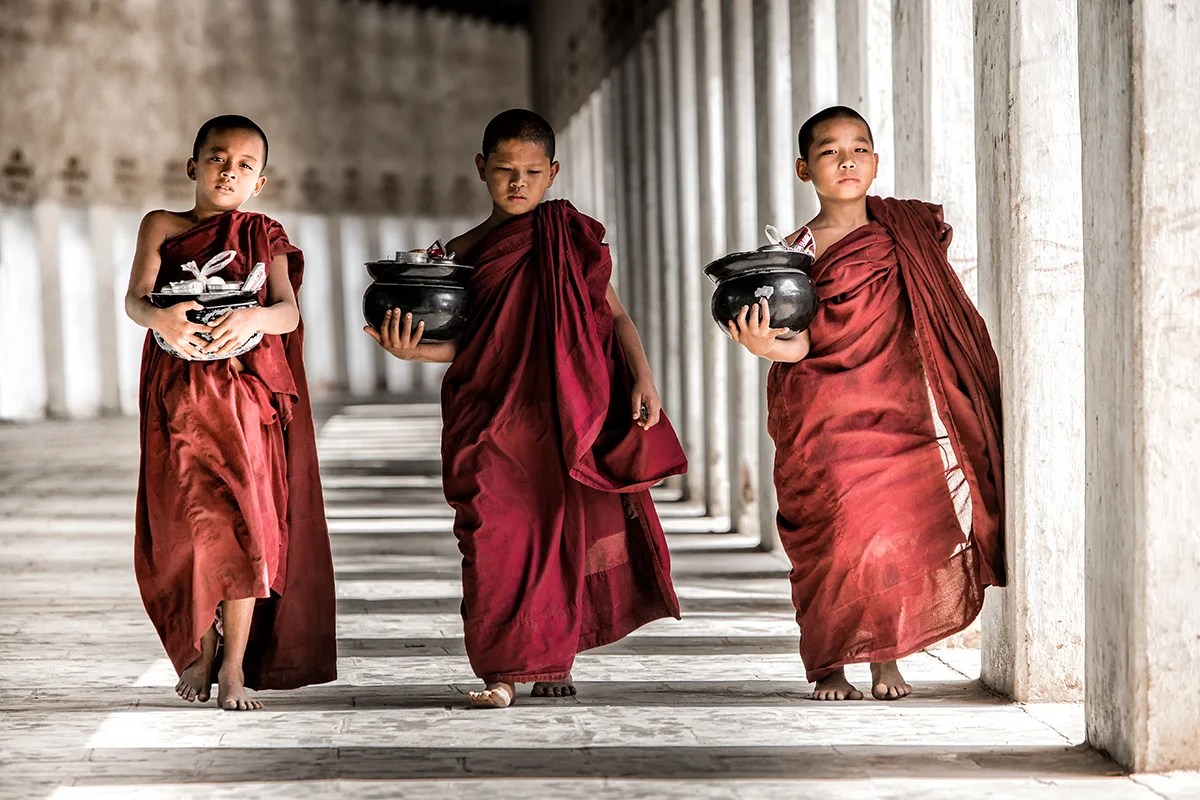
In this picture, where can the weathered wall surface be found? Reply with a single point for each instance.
(370, 107)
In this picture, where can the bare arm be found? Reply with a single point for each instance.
(170, 323)
(645, 395)
(280, 315)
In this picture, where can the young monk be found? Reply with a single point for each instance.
(886, 418)
(232, 550)
(553, 432)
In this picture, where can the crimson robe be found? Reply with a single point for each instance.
(545, 468)
(881, 565)
(229, 495)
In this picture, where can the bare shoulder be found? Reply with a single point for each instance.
(160, 225)
(464, 243)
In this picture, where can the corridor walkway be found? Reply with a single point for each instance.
(712, 706)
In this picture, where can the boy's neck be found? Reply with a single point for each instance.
(842, 213)
(200, 213)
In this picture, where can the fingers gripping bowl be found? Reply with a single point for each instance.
(432, 289)
(775, 273)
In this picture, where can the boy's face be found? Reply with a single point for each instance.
(517, 175)
(228, 171)
(841, 162)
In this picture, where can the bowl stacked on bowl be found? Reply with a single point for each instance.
(432, 288)
(773, 271)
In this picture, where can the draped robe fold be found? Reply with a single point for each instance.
(881, 563)
(229, 495)
(542, 462)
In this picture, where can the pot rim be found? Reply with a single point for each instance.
(758, 262)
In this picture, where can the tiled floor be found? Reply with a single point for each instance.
(712, 706)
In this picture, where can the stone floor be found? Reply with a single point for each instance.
(712, 706)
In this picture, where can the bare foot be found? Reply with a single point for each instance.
(554, 688)
(231, 691)
(497, 695)
(196, 681)
(887, 683)
(834, 686)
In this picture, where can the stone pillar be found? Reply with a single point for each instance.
(671, 379)
(1142, 311)
(934, 83)
(776, 196)
(616, 110)
(634, 260)
(814, 66)
(130, 335)
(323, 334)
(1030, 291)
(713, 225)
(653, 323)
(864, 75)
(746, 384)
(23, 393)
(695, 321)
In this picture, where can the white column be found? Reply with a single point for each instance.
(671, 379)
(634, 269)
(935, 122)
(23, 391)
(78, 314)
(814, 79)
(696, 322)
(746, 385)
(713, 224)
(47, 220)
(654, 322)
(110, 283)
(1142, 359)
(131, 337)
(864, 75)
(355, 250)
(615, 111)
(1027, 115)
(776, 196)
(320, 299)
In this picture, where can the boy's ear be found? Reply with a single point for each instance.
(259, 184)
(802, 170)
(480, 163)
(554, 168)
(191, 169)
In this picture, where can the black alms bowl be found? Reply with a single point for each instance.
(776, 273)
(442, 305)
(432, 289)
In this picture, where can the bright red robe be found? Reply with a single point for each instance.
(229, 496)
(542, 462)
(881, 566)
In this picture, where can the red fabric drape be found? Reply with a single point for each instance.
(880, 564)
(229, 496)
(548, 475)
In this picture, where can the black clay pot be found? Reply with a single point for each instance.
(433, 290)
(774, 272)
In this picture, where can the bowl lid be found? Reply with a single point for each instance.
(769, 258)
(419, 259)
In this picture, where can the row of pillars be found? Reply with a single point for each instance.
(1050, 131)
